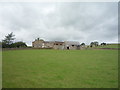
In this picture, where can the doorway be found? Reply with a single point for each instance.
(68, 48)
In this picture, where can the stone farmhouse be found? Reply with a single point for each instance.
(70, 45)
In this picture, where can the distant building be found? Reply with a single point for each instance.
(70, 45)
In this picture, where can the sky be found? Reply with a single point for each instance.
(60, 21)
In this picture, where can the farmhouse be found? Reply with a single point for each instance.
(42, 44)
(70, 45)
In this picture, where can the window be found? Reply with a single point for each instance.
(43, 44)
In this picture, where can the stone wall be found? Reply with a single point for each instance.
(48, 44)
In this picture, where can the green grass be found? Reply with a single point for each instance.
(60, 69)
(109, 46)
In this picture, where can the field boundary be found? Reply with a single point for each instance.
(109, 48)
(6, 49)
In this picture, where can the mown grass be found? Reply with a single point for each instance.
(60, 69)
(109, 46)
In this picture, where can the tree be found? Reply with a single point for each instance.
(6, 43)
(8, 39)
(103, 43)
(94, 44)
(91, 44)
(83, 44)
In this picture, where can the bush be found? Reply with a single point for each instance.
(18, 45)
(14, 45)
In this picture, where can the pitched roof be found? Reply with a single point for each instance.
(72, 43)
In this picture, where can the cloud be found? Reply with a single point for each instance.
(60, 21)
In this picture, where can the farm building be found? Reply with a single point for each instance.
(58, 45)
(42, 44)
(70, 45)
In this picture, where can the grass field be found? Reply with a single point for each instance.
(60, 69)
(109, 46)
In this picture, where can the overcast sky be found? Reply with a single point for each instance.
(60, 21)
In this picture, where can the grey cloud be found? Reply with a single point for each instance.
(83, 22)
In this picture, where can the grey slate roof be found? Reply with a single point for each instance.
(72, 43)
